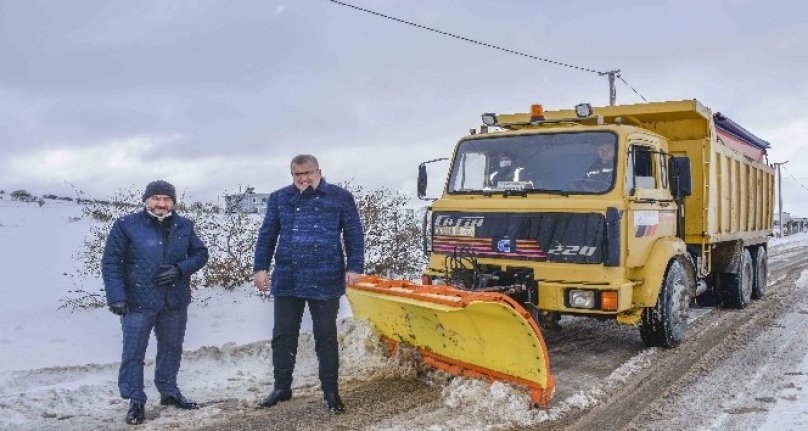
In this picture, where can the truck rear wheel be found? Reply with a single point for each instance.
(761, 273)
(665, 324)
(736, 289)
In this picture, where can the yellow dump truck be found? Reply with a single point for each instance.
(631, 213)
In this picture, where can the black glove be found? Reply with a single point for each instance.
(119, 308)
(168, 275)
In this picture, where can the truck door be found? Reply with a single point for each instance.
(651, 210)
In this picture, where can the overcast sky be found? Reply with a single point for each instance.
(214, 95)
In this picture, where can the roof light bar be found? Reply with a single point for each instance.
(489, 119)
(583, 110)
(536, 113)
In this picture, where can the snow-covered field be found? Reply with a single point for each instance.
(58, 368)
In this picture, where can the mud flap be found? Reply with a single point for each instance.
(478, 334)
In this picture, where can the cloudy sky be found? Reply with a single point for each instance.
(216, 95)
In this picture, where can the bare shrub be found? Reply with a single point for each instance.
(21, 195)
(230, 238)
(88, 257)
(392, 233)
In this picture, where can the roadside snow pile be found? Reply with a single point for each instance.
(472, 404)
(86, 397)
(364, 357)
(483, 404)
(791, 241)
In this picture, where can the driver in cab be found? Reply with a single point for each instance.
(602, 169)
(503, 170)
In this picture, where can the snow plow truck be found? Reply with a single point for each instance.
(630, 212)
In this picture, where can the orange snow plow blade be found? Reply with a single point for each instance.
(477, 334)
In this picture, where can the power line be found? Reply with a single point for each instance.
(795, 179)
(487, 45)
(465, 39)
(632, 88)
(610, 74)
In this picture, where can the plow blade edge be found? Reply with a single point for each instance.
(477, 334)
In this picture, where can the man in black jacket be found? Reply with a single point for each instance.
(307, 226)
(147, 265)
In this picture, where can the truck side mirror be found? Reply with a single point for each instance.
(680, 178)
(422, 180)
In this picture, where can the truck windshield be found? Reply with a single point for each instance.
(566, 163)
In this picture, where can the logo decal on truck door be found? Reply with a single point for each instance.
(646, 223)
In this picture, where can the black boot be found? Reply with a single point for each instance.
(136, 414)
(334, 402)
(179, 401)
(274, 397)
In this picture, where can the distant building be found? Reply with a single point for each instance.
(790, 224)
(798, 224)
(248, 202)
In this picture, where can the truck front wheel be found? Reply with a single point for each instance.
(665, 324)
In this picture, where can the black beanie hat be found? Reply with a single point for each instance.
(160, 187)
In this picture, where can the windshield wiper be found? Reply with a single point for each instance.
(552, 191)
(505, 193)
(524, 193)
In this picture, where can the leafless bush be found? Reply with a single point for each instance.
(80, 299)
(392, 233)
(20, 195)
(230, 238)
(88, 257)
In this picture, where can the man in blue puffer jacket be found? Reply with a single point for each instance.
(147, 265)
(306, 227)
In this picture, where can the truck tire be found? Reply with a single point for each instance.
(665, 324)
(761, 273)
(736, 289)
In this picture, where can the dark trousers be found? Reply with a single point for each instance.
(288, 314)
(169, 329)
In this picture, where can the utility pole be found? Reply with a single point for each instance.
(780, 199)
(612, 90)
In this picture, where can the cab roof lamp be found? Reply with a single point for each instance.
(489, 119)
(583, 110)
(536, 112)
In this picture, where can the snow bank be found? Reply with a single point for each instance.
(85, 397)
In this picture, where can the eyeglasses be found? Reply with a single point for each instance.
(305, 174)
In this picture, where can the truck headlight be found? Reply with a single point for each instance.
(581, 298)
